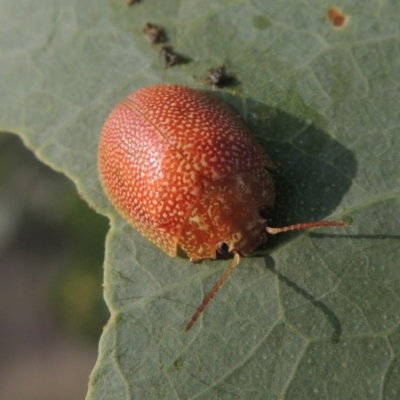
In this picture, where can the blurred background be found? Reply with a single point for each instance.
(51, 256)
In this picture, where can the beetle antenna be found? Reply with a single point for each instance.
(305, 225)
(224, 277)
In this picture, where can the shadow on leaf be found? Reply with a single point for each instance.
(328, 313)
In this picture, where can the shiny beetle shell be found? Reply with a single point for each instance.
(184, 170)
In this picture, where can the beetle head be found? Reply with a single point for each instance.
(249, 235)
(227, 217)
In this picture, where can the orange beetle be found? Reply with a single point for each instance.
(184, 170)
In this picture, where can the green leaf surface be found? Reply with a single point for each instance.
(317, 314)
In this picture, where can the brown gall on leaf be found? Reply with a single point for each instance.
(130, 2)
(218, 77)
(337, 17)
(155, 33)
(170, 57)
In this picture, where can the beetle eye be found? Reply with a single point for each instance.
(264, 212)
(223, 248)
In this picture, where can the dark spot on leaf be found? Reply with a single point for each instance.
(337, 17)
(178, 364)
(155, 33)
(261, 22)
(170, 57)
(218, 77)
